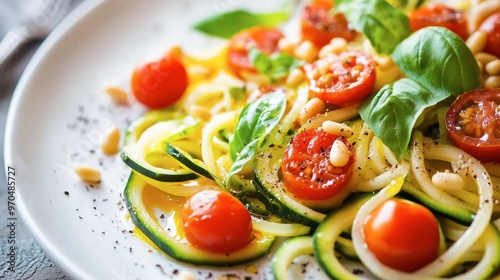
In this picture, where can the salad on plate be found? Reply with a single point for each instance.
(363, 134)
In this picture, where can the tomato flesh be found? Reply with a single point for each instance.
(402, 235)
(473, 123)
(437, 14)
(306, 169)
(261, 38)
(492, 27)
(343, 79)
(320, 26)
(216, 221)
(160, 83)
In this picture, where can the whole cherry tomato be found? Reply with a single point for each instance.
(306, 168)
(160, 83)
(319, 25)
(492, 27)
(473, 123)
(216, 221)
(343, 79)
(261, 38)
(402, 234)
(437, 14)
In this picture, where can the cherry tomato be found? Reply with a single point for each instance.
(216, 221)
(473, 123)
(343, 79)
(160, 83)
(402, 234)
(261, 38)
(306, 169)
(320, 26)
(437, 14)
(492, 27)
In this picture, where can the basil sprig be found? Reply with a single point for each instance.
(227, 24)
(256, 120)
(438, 65)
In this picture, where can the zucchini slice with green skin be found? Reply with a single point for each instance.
(194, 164)
(271, 190)
(180, 249)
(159, 174)
(137, 127)
(457, 214)
(154, 137)
(328, 232)
(287, 252)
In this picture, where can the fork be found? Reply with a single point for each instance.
(35, 27)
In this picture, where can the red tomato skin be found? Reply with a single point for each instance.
(319, 26)
(484, 150)
(492, 27)
(345, 89)
(402, 235)
(161, 83)
(306, 169)
(437, 14)
(262, 38)
(215, 221)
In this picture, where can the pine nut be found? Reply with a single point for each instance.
(448, 181)
(476, 41)
(485, 58)
(295, 78)
(339, 43)
(339, 154)
(493, 67)
(492, 82)
(481, 66)
(384, 62)
(118, 95)
(312, 108)
(88, 174)
(286, 46)
(111, 143)
(335, 128)
(336, 46)
(200, 112)
(306, 51)
(323, 66)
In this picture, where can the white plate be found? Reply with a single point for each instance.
(58, 116)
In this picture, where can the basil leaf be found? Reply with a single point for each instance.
(274, 66)
(384, 25)
(439, 60)
(227, 24)
(256, 120)
(392, 113)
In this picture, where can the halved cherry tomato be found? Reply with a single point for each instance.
(261, 38)
(473, 123)
(319, 25)
(437, 14)
(402, 234)
(343, 79)
(306, 169)
(216, 221)
(160, 83)
(492, 27)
